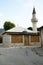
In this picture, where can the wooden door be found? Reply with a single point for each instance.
(26, 40)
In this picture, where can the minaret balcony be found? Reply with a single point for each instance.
(34, 20)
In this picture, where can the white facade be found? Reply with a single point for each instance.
(34, 26)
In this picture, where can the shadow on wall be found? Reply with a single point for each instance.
(1, 40)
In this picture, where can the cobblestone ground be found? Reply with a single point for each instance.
(38, 51)
(21, 56)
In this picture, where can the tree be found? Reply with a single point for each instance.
(8, 25)
(30, 28)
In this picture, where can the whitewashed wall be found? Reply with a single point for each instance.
(6, 40)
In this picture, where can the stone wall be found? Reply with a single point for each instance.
(16, 39)
(19, 39)
(41, 32)
(35, 38)
(6, 40)
(35, 41)
(26, 40)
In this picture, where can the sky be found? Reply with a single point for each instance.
(19, 12)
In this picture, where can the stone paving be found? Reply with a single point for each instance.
(21, 56)
(38, 51)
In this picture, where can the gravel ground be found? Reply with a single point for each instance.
(20, 56)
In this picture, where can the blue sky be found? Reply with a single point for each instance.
(20, 12)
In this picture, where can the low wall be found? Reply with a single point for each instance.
(6, 40)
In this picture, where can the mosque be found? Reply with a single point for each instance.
(19, 36)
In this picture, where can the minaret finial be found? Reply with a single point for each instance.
(34, 12)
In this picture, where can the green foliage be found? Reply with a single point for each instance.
(8, 25)
(30, 28)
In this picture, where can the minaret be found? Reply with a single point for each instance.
(34, 20)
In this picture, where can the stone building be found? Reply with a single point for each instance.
(41, 34)
(21, 36)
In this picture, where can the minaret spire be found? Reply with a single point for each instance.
(34, 20)
(34, 12)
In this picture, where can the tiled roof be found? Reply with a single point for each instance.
(20, 29)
